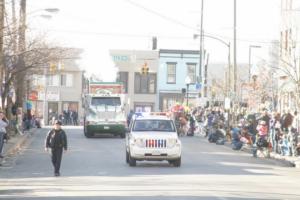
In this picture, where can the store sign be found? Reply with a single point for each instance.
(33, 96)
(106, 88)
(120, 58)
(51, 96)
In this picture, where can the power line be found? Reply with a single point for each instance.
(160, 15)
(259, 41)
(192, 28)
(115, 34)
(161, 36)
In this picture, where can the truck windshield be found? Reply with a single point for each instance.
(154, 125)
(106, 101)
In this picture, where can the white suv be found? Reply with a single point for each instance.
(153, 138)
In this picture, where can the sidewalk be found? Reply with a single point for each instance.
(287, 160)
(15, 144)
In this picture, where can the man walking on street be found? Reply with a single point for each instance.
(56, 140)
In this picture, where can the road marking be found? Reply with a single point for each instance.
(102, 173)
(38, 173)
(221, 198)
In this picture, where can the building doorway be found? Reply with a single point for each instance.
(52, 112)
(70, 113)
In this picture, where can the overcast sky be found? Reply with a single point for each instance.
(99, 25)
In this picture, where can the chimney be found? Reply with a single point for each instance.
(154, 43)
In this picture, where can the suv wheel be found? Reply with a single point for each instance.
(177, 163)
(127, 157)
(132, 161)
(87, 134)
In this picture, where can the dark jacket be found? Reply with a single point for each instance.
(267, 119)
(56, 139)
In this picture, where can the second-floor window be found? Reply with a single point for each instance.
(53, 80)
(38, 80)
(145, 84)
(66, 80)
(171, 73)
(123, 77)
(191, 71)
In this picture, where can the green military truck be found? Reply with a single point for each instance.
(104, 111)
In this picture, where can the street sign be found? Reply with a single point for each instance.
(198, 86)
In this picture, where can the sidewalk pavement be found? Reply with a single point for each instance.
(15, 144)
(287, 160)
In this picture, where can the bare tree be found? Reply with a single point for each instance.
(38, 55)
(288, 70)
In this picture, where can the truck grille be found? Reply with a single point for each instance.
(107, 115)
(156, 143)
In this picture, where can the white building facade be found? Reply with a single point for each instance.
(54, 92)
(289, 56)
(140, 90)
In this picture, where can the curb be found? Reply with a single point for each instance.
(19, 143)
(289, 161)
(292, 161)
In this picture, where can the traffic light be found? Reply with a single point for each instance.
(145, 69)
(53, 68)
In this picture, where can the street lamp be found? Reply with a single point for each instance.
(48, 10)
(227, 44)
(250, 47)
(187, 82)
(51, 10)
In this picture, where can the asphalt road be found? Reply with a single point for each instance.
(96, 169)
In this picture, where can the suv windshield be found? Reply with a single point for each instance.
(153, 125)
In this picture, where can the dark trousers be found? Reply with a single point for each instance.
(56, 158)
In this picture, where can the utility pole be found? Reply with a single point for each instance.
(229, 72)
(201, 47)
(234, 53)
(2, 13)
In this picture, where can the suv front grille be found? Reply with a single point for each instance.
(156, 143)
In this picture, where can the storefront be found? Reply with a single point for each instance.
(168, 100)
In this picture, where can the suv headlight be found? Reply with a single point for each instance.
(139, 142)
(171, 142)
(91, 123)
